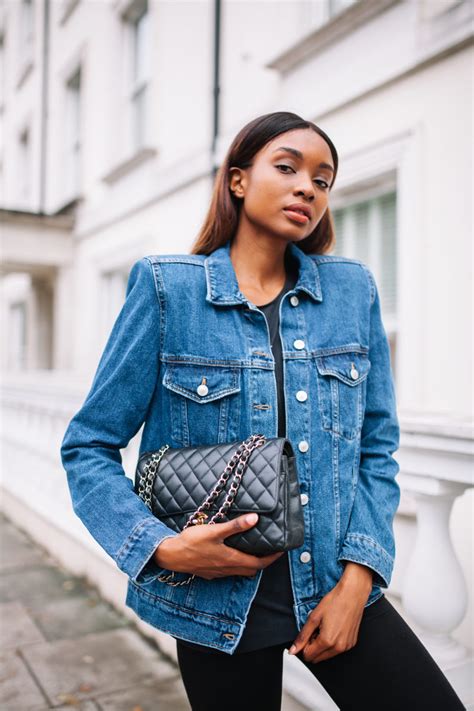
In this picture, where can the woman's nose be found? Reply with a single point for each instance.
(306, 189)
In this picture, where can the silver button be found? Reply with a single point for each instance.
(202, 389)
(304, 499)
(301, 395)
(305, 557)
(294, 301)
(354, 373)
(299, 344)
(303, 446)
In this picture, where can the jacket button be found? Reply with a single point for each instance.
(305, 557)
(301, 395)
(294, 301)
(304, 499)
(299, 344)
(303, 446)
(354, 373)
(202, 389)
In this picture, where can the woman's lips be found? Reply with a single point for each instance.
(297, 216)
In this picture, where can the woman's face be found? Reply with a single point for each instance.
(280, 178)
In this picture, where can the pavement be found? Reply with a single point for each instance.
(62, 646)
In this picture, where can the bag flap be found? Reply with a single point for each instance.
(187, 475)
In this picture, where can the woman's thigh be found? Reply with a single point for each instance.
(389, 668)
(216, 680)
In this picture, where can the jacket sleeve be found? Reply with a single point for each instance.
(369, 538)
(112, 413)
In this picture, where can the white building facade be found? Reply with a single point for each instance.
(113, 116)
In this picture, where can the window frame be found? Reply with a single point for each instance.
(345, 210)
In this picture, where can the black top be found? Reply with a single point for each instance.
(271, 619)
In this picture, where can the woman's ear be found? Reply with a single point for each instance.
(235, 182)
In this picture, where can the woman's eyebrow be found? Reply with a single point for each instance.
(299, 155)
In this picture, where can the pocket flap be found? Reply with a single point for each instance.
(351, 368)
(202, 383)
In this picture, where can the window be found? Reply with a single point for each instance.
(26, 30)
(2, 114)
(17, 336)
(68, 7)
(114, 286)
(73, 135)
(140, 67)
(24, 165)
(3, 73)
(337, 6)
(429, 9)
(321, 11)
(367, 231)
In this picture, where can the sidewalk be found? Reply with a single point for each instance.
(64, 647)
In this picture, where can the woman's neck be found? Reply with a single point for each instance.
(260, 268)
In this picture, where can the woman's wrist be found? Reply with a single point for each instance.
(356, 576)
(163, 555)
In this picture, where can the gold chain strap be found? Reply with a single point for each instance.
(236, 463)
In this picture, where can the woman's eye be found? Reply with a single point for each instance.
(282, 165)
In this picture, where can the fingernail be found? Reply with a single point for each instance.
(251, 518)
(292, 649)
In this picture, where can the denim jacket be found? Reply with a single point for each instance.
(185, 319)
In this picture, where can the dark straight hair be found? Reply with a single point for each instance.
(222, 218)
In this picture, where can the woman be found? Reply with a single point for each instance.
(260, 330)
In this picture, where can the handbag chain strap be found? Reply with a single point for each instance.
(145, 485)
(237, 464)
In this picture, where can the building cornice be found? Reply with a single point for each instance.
(27, 217)
(332, 31)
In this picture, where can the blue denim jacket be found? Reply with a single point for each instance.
(185, 319)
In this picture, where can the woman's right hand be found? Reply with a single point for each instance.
(201, 550)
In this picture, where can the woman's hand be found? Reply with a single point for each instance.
(201, 550)
(332, 626)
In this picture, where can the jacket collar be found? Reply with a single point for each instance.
(223, 287)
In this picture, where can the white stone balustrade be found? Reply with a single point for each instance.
(435, 468)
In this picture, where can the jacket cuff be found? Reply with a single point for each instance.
(359, 548)
(137, 550)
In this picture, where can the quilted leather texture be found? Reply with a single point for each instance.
(269, 487)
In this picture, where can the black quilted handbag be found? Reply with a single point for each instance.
(181, 487)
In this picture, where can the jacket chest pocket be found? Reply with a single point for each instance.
(342, 384)
(204, 403)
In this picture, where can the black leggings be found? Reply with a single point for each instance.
(389, 668)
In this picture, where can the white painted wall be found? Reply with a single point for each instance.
(394, 92)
